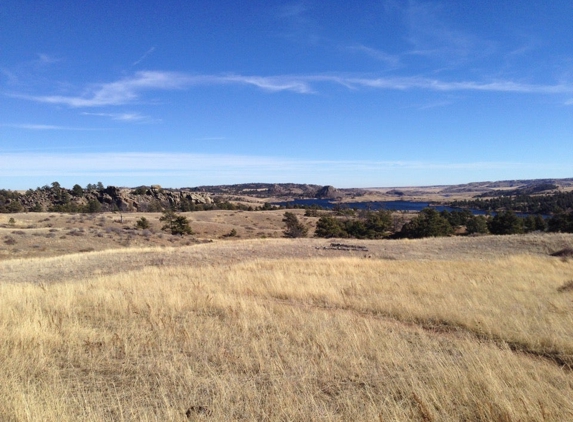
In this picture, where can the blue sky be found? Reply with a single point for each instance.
(364, 94)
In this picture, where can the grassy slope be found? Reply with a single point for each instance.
(433, 335)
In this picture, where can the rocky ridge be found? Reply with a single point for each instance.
(111, 198)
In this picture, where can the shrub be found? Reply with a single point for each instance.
(477, 225)
(142, 223)
(78, 191)
(10, 240)
(429, 223)
(506, 223)
(93, 206)
(232, 233)
(328, 226)
(561, 223)
(534, 223)
(369, 225)
(294, 228)
(176, 224)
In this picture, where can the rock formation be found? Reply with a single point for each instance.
(113, 199)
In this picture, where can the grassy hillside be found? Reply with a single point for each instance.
(232, 331)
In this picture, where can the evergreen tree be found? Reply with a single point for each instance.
(477, 225)
(78, 191)
(294, 228)
(175, 223)
(561, 223)
(429, 223)
(328, 226)
(142, 223)
(506, 223)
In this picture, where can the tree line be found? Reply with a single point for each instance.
(532, 204)
(428, 223)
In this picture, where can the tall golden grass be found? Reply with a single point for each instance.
(294, 339)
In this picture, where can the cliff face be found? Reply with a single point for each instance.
(327, 192)
(112, 199)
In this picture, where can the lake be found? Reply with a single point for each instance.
(373, 205)
(386, 205)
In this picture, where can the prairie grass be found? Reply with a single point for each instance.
(331, 339)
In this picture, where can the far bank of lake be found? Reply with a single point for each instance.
(406, 206)
(372, 205)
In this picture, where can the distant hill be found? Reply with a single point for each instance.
(516, 186)
(155, 198)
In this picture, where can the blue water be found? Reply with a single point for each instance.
(386, 205)
(374, 205)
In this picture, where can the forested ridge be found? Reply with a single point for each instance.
(554, 203)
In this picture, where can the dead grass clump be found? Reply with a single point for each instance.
(567, 287)
(9, 240)
(564, 253)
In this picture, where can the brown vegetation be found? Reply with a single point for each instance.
(475, 329)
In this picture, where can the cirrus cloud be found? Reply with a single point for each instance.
(130, 89)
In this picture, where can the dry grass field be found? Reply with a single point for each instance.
(455, 329)
(53, 234)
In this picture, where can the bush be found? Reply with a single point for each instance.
(9, 240)
(506, 223)
(78, 191)
(142, 223)
(561, 223)
(477, 225)
(532, 224)
(294, 228)
(93, 206)
(328, 227)
(232, 233)
(429, 223)
(369, 225)
(176, 224)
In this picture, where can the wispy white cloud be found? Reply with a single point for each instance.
(125, 117)
(11, 77)
(120, 92)
(130, 89)
(142, 58)
(439, 85)
(272, 83)
(392, 61)
(432, 36)
(46, 59)
(30, 126)
(298, 24)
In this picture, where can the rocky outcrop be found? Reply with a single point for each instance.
(112, 198)
(327, 192)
